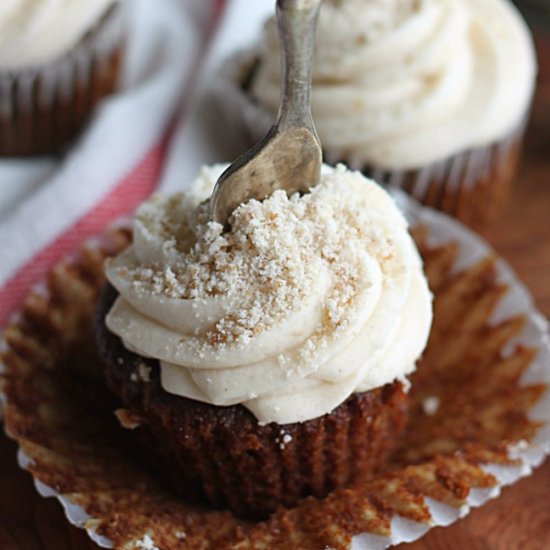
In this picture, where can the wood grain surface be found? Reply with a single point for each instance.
(518, 520)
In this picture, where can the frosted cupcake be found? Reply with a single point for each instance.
(57, 61)
(269, 362)
(431, 95)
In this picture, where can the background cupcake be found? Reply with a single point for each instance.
(432, 96)
(57, 61)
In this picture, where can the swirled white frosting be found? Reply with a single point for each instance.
(399, 84)
(305, 300)
(33, 32)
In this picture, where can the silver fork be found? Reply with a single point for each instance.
(289, 156)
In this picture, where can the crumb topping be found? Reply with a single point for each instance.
(430, 405)
(271, 259)
(146, 543)
(283, 439)
(142, 374)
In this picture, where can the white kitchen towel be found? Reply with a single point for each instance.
(119, 159)
(203, 139)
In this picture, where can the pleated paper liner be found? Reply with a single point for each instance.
(43, 109)
(473, 185)
(480, 417)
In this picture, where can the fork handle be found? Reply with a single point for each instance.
(297, 21)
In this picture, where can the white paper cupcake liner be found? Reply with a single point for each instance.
(42, 109)
(535, 334)
(472, 185)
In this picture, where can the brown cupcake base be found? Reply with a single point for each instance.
(43, 110)
(222, 456)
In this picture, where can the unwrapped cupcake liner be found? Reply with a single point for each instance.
(472, 185)
(123, 508)
(43, 109)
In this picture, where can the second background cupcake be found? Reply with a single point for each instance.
(429, 95)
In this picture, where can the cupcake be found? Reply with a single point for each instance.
(57, 61)
(268, 362)
(432, 96)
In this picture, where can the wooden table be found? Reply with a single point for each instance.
(518, 520)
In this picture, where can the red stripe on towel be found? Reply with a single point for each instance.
(122, 199)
